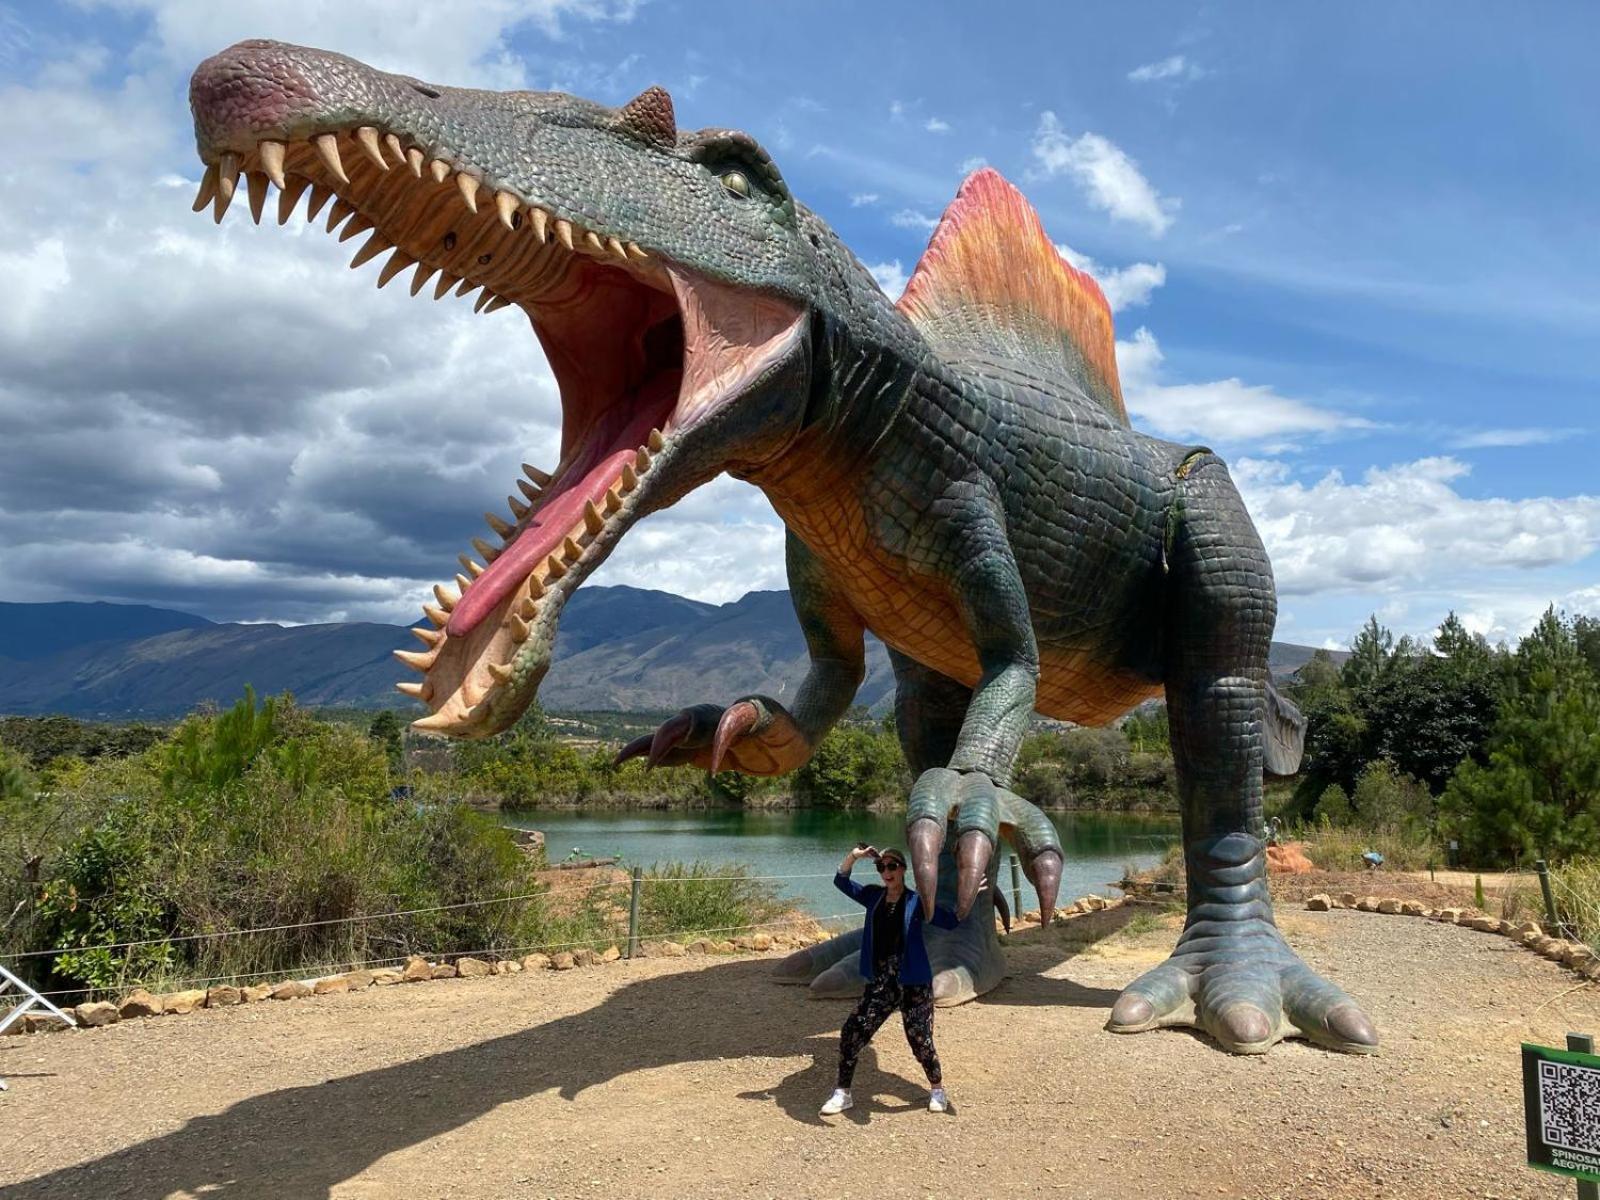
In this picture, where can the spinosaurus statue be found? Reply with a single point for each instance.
(956, 473)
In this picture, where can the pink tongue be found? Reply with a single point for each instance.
(554, 520)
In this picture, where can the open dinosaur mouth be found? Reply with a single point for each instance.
(643, 349)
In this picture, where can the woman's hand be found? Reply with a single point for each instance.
(859, 851)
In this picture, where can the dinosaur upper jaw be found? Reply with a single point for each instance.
(646, 353)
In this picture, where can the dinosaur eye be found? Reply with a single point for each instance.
(736, 183)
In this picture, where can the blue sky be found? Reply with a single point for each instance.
(1351, 247)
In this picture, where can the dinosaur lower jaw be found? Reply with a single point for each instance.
(644, 350)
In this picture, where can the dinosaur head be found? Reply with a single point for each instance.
(663, 273)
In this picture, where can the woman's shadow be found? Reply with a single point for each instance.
(305, 1140)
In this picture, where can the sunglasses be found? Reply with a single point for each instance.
(889, 864)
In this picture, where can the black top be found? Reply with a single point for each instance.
(888, 930)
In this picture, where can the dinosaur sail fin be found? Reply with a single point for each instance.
(991, 285)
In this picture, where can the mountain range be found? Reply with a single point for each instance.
(619, 648)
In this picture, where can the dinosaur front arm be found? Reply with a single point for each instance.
(836, 640)
(994, 609)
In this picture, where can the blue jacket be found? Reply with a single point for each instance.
(914, 966)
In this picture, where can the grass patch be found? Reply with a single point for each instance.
(1576, 887)
(685, 900)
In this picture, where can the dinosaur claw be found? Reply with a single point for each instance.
(973, 852)
(1244, 1029)
(1350, 1025)
(1130, 1014)
(740, 719)
(637, 748)
(924, 838)
(1045, 874)
(668, 736)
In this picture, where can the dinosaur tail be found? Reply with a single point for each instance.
(1285, 731)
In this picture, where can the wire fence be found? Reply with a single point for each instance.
(634, 884)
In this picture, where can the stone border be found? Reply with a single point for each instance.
(1575, 955)
(417, 969)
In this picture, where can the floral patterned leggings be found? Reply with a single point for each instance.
(884, 994)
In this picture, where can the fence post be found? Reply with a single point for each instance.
(1584, 1044)
(1016, 890)
(1543, 869)
(633, 912)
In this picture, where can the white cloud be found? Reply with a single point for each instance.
(908, 218)
(891, 277)
(936, 125)
(1524, 436)
(1222, 410)
(1177, 68)
(1124, 287)
(1407, 527)
(975, 163)
(860, 199)
(1109, 178)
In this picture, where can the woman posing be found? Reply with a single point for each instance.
(894, 963)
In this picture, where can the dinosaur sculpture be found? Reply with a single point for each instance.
(956, 473)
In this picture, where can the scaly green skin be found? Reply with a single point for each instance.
(1010, 539)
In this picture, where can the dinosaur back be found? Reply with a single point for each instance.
(992, 288)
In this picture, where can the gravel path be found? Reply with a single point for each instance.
(700, 1078)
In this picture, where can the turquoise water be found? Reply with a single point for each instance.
(810, 842)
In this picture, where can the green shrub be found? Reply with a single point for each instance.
(688, 899)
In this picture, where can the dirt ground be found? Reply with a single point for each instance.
(699, 1077)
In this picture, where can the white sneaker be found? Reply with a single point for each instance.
(838, 1102)
(937, 1100)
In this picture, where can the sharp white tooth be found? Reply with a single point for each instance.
(446, 282)
(518, 508)
(641, 460)
(656, 441)
(428, 637)
(630, 477)
(446, 598)
(367, 138)
(482, 547)
(538, 476)
(613, 500)
(208, 188)
(554, 568)
(471, 564)
(634, 251)
(498, 525)
(592, 520)
(506, 205)
(462, 582)
(469, 190)
(483, 300)
(414, 161)
(272, 160)
(437, 615)
(564, 233)
(501, 671)
(616, 249)
(395, 148)
(571, 550)
(535, 588)
(526, 608)
(290, 196)
(528, 490)
(370, 249)
(414, 660)
(496, 304)
(419, 691)
(354, 227)
(519, 627)
(320, 195)
(227, 184)
(466, 287)
(327, 145)
(398, 262)
(256, 182)
(592, 241)
(540, 220)
(341, 209)
(424, 273)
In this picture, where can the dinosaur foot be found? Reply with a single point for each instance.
(1238, 981)
(967, 961)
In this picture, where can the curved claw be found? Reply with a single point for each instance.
(738, 720)
(973, 851)
(638, 748)
(925, 837)
(1044, 872)
(665, 739)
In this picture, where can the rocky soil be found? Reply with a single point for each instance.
(699, 1077)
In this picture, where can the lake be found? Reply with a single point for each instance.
(801, 847)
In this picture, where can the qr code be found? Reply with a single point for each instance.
(1569, 1106)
